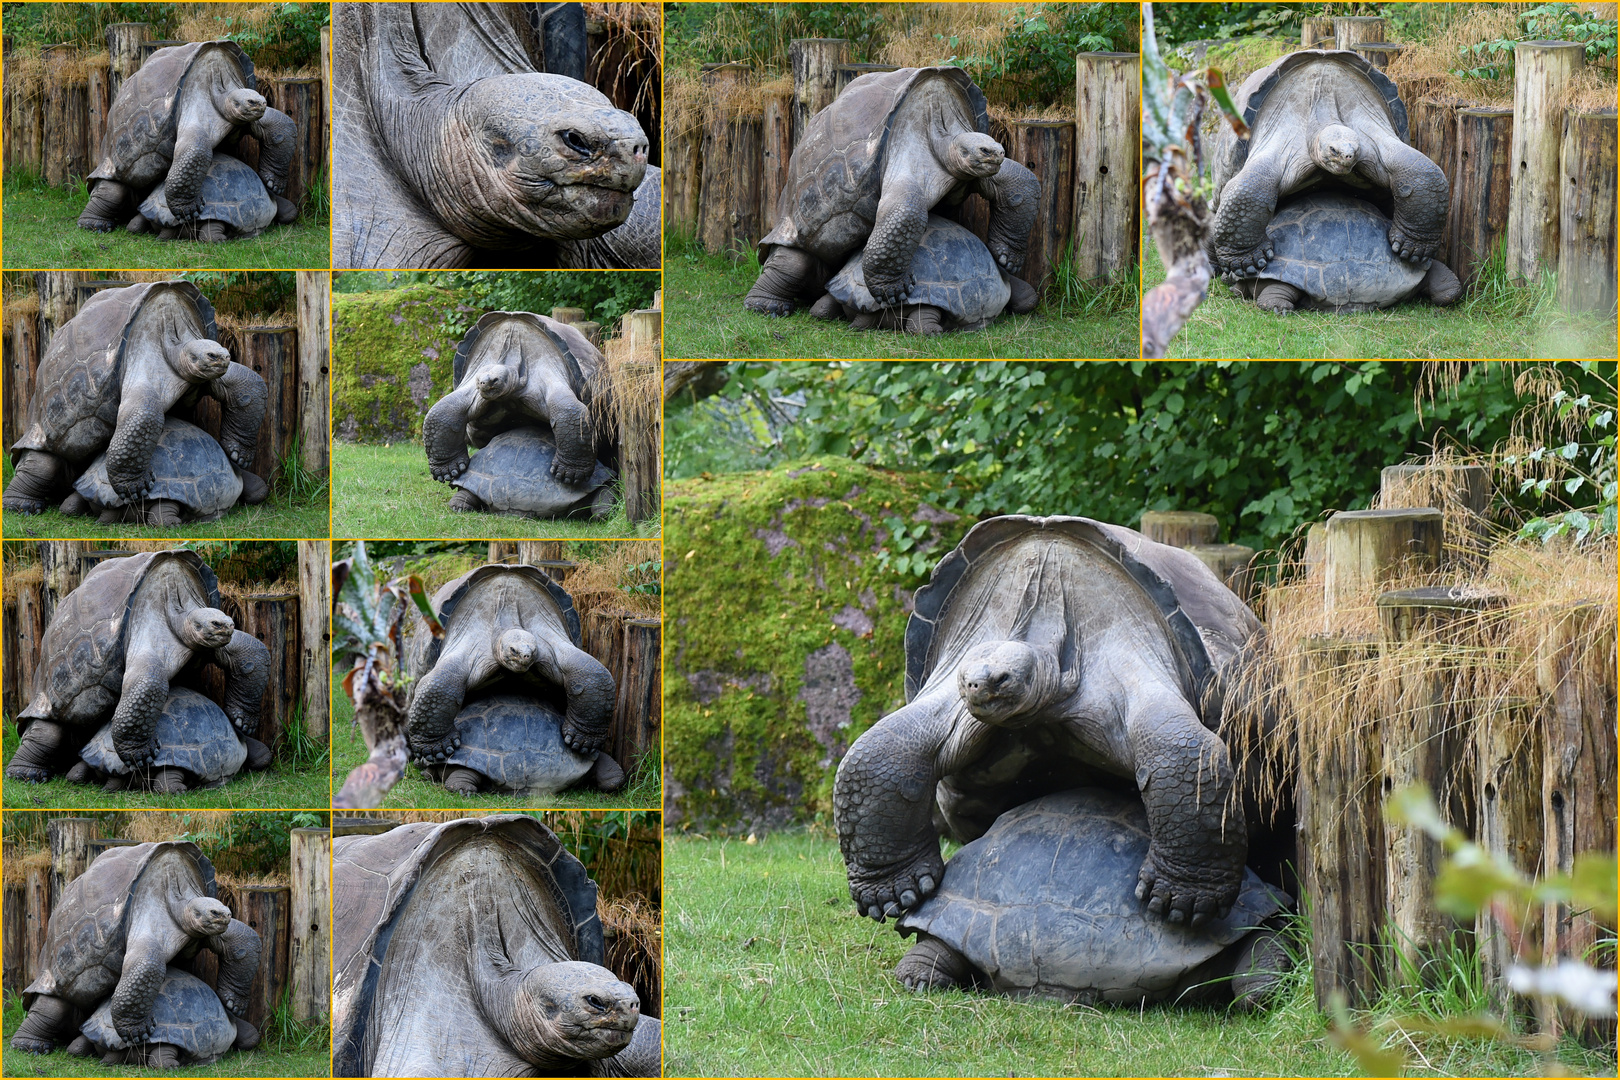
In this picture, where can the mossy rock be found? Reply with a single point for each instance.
(784, 638)
(393, 356)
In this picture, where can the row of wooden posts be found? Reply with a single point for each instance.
(292, 625)
(291, 357)
(724, 180)
(54, 126)
(627, 643)
(1534, 781)
(291, 920)
(1537, 177)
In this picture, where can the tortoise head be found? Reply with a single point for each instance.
(574, 1010)
(1336, 149)
(201, 360)
(517, 650)
(241, 106)
(532, 155)
(498, 380)
(203, 916)
(206, 628)
(972, 155)
(1002, 681)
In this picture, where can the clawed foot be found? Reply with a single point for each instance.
(1410, 248)
(890, 293)
(435, 752)
(28, 774)
(236, 452)
(32, 1046)
(767, 305)
(140, 756)
(581, 740)
(448, 471)
(132, 491)
(886, 892)
(1186, 898)
(17, 505)
(1008, 259)
(134, 1035)
(573, 475)
(1247, 263)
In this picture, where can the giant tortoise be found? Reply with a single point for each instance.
(189, 1027)
(473, 948)
(197, 748)
(514, 474)
(191, 479)
(234, 204)
(513, 743)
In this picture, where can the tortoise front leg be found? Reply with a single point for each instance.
(134, 722)
(444, 434)
(1237, 239)
(1421, 197)
(902, 216)
(183, 186)
(590, 691)
(137, 990)
(277, 134)
(238, 948)
(571, 426)
(430, 727)
(246, 661)
(243, 397)
(51, 1022)
(1014, 194)
(129, 453)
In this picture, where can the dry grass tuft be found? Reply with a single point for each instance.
(18, 306)
(633, 937)
(628, 394)
(1432, 61)
(1593, 89)
(31, 574)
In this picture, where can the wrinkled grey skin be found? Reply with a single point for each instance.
(133, 624)
(1046, 653)
(1043, 905)
(233, 204)
(115, 931)
(166, 122)
(107, 382)
(472, 948)
(451, 147)
(866, 174)
(1319, 116)
(1331, 254)
(503, 622)
(191, 480)
(190, 1027)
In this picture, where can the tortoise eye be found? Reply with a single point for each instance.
(576, 142)
(595, 1002)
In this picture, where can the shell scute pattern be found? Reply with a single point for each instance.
(193, 733)
(953, 269)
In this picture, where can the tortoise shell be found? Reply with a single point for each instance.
(953, 269)
(193, 734)
(79, 385)
(1044, 904)
(84, 941)
(375, 879)
(231, 192)
(144, 116)
(512, 475)
(516, 741)
(837, 167)
(1335, 249)
(188, 466)
(187, 1014)
(581, 360)
(468, 596)
(81, 670)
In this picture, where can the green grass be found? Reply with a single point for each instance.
(770, 972)
(1493, 319)
(643, 790)
(286, 1050)
(42, 231)
(386, 492)
(294, 781)
(704, 317)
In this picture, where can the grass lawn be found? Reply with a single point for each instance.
(642, 791)
(769, 971)
(386, 492)
(285, 785)
(704, 318)
(299, 1053)
(1492, 320)
(42, 232)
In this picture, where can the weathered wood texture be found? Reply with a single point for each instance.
(314, 633)
(1586, 230)
(1313, 29)
(124, 49)
(1478, 218)
(729, 201)
(309, 943)
(14, 937)
(1508, 792)
(1540, 71)
(25, 126)
(1365, 549)
(1432, 124)
(36, 916)
(67, 117)
(1107, 93)
(70, 851)
(1464, 490)
(314, 325)
(601, 633)
(58, 292)
(1351, 30)
(62, 564)
(272, 351)
(301, 99)
(776, 150)
(99, 100)
(1230, 562)
(638, 452)
(685, 181)
(1379, 53)
(1046, 148)
(1179, 528)
(266, 909)
(638, 707)
(273, 618)
(814, 63)
(20, 370)
(23, 650)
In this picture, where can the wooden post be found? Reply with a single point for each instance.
(101, 843)
(728, 212)
(309, 952)
(1379, 53)
(776, 149)
(536, 552)
(124, 47)
(13, 692)
(1586, 230)
(1508, 793)
(644, 328)
(272, 351)
(1436, 638)
(814, 62)
(569, 315)
(1230, 562)
(845, 74)
(1351, 30)
(503, 551)
(1540, 70)
(273, 618)
(638, 449)
(70, 851)
(36, 917)
(301, 100)
(100, 101)
(558, 570)
(1179, 528)
(637, 712)
(67, 116)
(602, 635)
(1433, 130)
(1366, 549)
(1046, 148)
(25, 353)
(30, 633)
(314, 637)
(1341, 839)
(685, 181)
(326, 67)
(1479, 195)
(266, 909)
(1463, 489)
(25, 135)
(314, 324)
(1313, 29)
(58, 303)
(62, 561)
(1107, 91)
(14, 938)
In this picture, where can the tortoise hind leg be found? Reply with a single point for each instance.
(827, 307)
(254, 490)
(169, 780)
(164, 512)
(139, 224)
(925, 319)
(76, 505)
(162, 1056)
(1440, 285)
(259, 754)
(50, 1023)
(1261, 962)
(108, 202)
(465, 502)
(35, 483)
(286, 212)
(933, 965)
(211, 232)
(462, 781)
(247, 1036)
(605, 774)
(81, 1047)
(1024, 298)
(787, 275)
(1277, 296)
(36, 753)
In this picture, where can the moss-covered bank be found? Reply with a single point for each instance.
(393, 356)
(784, 639)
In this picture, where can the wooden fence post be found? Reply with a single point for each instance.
(266, 909)
(1378, 53)
(326, 68)
(1540, 70)
(308, 961)
(14, 938)
(314, 636)
(58, 302)
(67, 115)
(301, 100)
(1479, 196)
(70, 851)
(273, 618)
(1179, 528)
(643, 327)
(314, 324)
(684, 190)
(1507, 792)
(61, 561)
(36, 917)
(542, 552)
(100, 93)
(728, 211)
(1365, 549)
(637, 712)
(30, 633)
(1586, 230)
(1313, 29)
(1432, 125)
(1046, 148)
(502, 550)
(1466, 488)
(1107, 92)
(569, 315)
(272, 351)
(1229, 562)
(25, 353)
(776, 150)
(124, 50)
(814, 62)
(25, 135)
(1351, 30)
(13, 694)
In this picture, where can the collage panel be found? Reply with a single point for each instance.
(902, 180)
(1436, 181)
(148, 941)
(496, 403)
(189, 135)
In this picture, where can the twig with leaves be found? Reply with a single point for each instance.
(367, 624)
